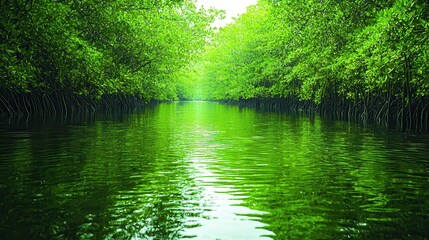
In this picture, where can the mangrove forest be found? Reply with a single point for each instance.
(365, 59)
(172, 119)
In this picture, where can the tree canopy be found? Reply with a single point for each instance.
(368, 58)
(98, 48)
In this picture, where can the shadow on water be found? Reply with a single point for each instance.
(210, 171)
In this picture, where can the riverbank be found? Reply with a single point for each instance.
(62, 103)
(389, 115)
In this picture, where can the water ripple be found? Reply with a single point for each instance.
(208, 171)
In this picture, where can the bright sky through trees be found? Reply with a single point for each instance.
(231, 7)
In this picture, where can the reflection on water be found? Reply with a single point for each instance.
(208, 171)
(226, 216)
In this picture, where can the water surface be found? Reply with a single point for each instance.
(201, 170)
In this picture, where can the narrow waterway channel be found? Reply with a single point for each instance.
(203, 170)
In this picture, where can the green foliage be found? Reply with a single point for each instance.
(237, 65)
(373, 53)
(96, 48)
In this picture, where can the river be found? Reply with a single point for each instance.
(203, 170)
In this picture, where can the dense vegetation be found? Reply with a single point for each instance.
(354, 59)
(57, 55)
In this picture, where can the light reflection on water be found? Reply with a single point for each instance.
(208, 171)
(225, 217)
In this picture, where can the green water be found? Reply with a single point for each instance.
(200, 170)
